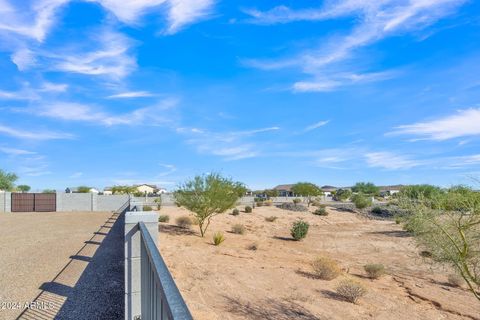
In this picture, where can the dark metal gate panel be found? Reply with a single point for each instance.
(45, 202)
(23, 202)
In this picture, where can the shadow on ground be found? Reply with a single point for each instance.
(174, 230)
(91, 285)
(269, 309)
(393, 233)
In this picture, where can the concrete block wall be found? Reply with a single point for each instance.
(2, 202)
(74, 202)
(111, 202)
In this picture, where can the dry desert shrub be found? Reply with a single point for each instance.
(184, 222)
(235, 212)
(248, 209)
(374, 270)
(254, 246)
(164, 218)
(351, 290)
(218, 238)
(271, 219)
(325, 268)
(238, 228)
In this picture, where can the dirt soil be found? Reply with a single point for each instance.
(275, 281)
(64, 265)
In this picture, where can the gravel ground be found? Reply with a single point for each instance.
(65, 265)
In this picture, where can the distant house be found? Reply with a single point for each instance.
(386, 191)
(328, 190)
(284, 190)
(147, 188)
(107, 191)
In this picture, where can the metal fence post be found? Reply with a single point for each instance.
(132, 258)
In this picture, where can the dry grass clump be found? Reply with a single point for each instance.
(350, 290)
(374, 270)
(184, 222)
(455, 280)
(218, 238)
(238, 228)
(271, 219)
(164, 218)
(325, 268)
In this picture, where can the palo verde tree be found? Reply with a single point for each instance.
(308, 190)
(447, 224)
(366, 188)
(342, 194)
(207, 196)
(124, 190)
(83, 189)
(7, 180)
(23, 188)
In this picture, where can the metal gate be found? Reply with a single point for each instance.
(34, 202)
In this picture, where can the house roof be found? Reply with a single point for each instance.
(389, 188)
(146, 184)
(328, 188)
(284, 187)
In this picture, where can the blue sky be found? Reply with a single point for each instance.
(105, 92)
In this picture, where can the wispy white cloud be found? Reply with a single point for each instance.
(130, 11)
(32, 19)
(390, 161)
(230, 146)
(15, 152)
(462, 124)
(131, 94)
(179, 13)
(33, 135)
(112, 58)
(71, 111)
(185, 12)
(316, 125)
(76, 175)
(376, 20)
(24, 59)
(169, 169)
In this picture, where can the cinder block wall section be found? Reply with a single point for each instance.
(111, 202)
(2, 202)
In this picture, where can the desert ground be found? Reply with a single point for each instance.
(275, 281)
(69, 263)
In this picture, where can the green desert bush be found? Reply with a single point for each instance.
(361, 201)
(271, 219)
(293, 207)
(350, 290)
(235, 212)
(316, 203)
(238, 228)
(299, 230)
(147, 208)
(325, 268)
(183, 221)
(377, 210)
(297, 201)
(248, 209)
(163, 218)
(374, 270)
(259, 203)
(321, 211)
(455, 280)
(218, 238)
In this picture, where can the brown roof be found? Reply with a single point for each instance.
(284, 187)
